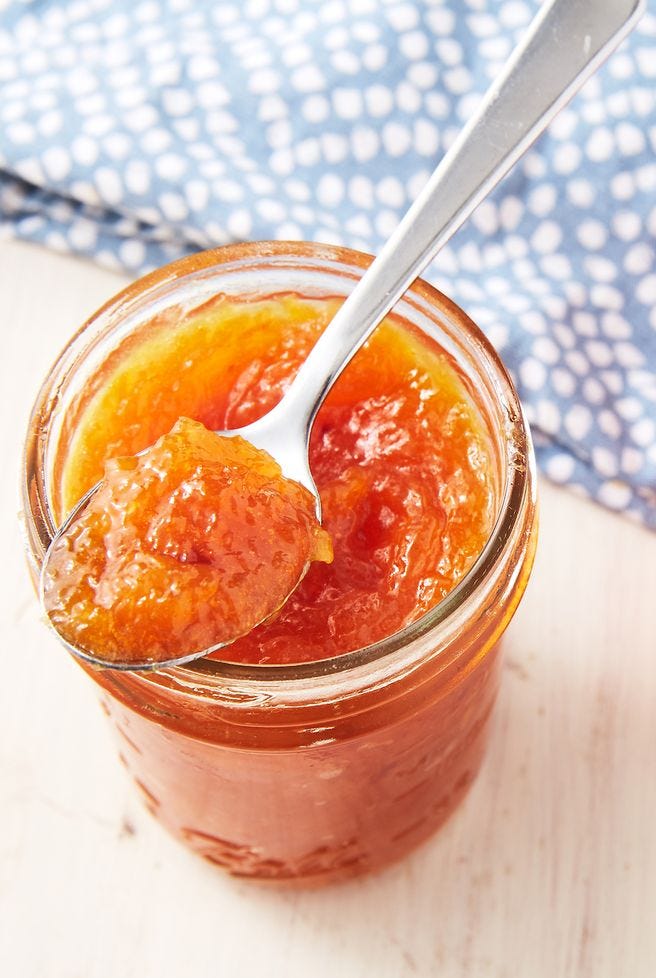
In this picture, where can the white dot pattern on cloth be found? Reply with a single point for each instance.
(137, 132)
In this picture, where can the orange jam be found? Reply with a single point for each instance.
(182, 548)
(399, 452)
(343, 731)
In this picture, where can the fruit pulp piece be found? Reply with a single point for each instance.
(183, 548)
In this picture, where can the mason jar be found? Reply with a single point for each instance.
(307, 772)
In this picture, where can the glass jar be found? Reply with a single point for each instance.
(324, 769)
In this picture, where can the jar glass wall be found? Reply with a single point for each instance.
(326, 768)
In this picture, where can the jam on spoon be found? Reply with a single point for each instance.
(188, 545)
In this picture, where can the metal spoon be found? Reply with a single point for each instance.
(565, 43)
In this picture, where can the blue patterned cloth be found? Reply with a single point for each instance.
(136, 131)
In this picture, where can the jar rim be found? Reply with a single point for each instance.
(518, 483)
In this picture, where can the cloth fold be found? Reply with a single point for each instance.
(134, 133)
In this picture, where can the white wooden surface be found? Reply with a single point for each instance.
(547, 871)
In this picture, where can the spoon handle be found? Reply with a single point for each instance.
(565, 43)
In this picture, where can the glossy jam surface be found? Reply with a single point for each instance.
(183, 548)
(400, 454)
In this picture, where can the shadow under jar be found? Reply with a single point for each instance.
(313, 770)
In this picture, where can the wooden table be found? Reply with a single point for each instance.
(548, 870)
